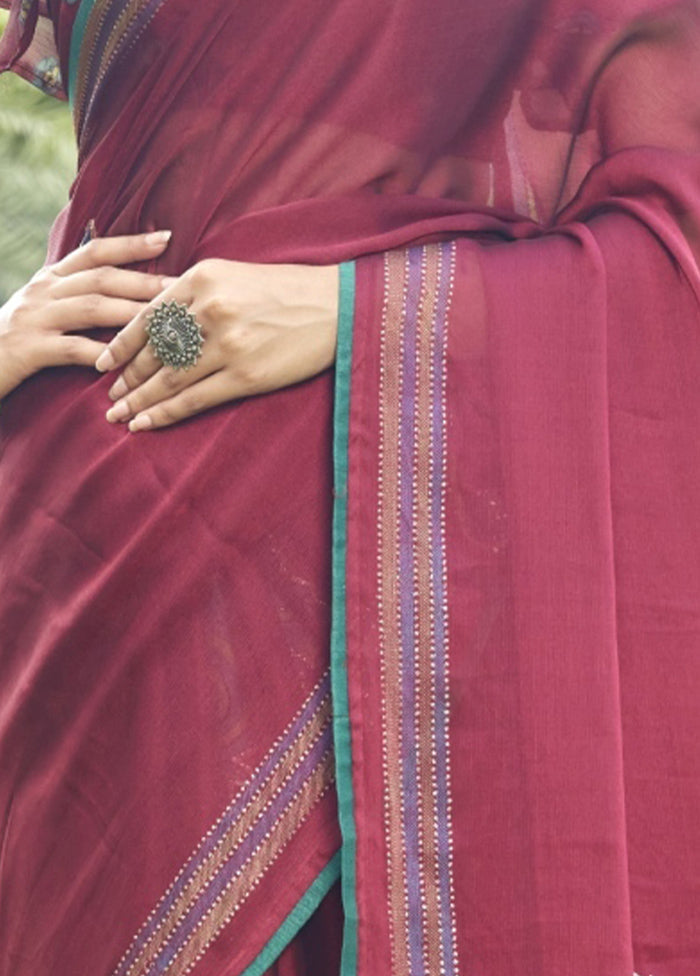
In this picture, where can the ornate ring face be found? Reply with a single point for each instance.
(175, 335)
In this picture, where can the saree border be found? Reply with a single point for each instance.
(297, 918)
(238, 849)
(339, 676)
(413, 612)
(413, 289)
(342, 865)
(102, 31)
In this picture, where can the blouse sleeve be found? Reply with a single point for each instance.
(28, 46)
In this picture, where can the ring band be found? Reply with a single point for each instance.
(175, 335)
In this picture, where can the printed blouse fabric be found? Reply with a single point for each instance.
(29, 47)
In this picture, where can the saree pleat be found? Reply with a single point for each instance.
(433, 628)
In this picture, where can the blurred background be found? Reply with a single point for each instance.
(37, 163)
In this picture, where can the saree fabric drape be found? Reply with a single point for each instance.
(487, 725)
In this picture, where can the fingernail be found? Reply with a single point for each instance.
(142, 422)
(119, 389)
(105, 361)
(158, 237)
(120, 411)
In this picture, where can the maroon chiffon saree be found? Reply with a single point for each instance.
(432, 629)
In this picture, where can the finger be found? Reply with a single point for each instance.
(113, 251)
(112, 282)
(133, 337)
(162, 385)
(91, 311)
(207, 393)
(291, 358)
(69, 350)
(144, 365)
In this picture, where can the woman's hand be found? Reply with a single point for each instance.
(84, 290)
(265, 326)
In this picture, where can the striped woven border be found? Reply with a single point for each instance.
(413, 610)
(103, 30)
(238, 850)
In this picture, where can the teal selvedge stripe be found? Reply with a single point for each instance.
(339, 674)
(76, 42)
(343, 864)
(299, 915)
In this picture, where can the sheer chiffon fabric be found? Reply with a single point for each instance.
(514, 191)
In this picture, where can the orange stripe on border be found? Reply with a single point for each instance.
(245, 883)
(233, 838)
(424, 623)
(389, 630)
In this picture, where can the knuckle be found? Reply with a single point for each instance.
(72, 349)
(135, 403)
(51, 288)
(120, 345)
(118, 348)
(203, 273)
(167, 414)
(234, 343)
(134, 307)
(132, 251)
(92, 305)
(136, 373)
(248, 375)
(214, 308)
(131, 377)
(171, 379)
(36, 285)
(21, 313)
(101, 279)
(191, 402)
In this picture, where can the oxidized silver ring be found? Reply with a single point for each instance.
(175, 334)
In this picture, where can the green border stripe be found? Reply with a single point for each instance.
(339, 674)
(299, 915)
(76, 42)
(343, 863)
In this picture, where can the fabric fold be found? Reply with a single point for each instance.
(544, 553)
(514, 616)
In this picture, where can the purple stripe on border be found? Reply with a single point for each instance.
(190, 922)
(218, 831)
(131, 31)
(437, 489)
(407, 610)
(108, 21)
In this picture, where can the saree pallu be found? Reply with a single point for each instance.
(433, 629)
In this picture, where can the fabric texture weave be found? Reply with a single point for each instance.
(432, 628)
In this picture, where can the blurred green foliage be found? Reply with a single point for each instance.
(37, 164)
